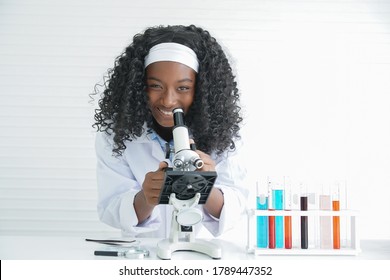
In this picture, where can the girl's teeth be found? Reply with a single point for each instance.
(166, 113)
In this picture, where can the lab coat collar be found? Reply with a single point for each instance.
(148, 137)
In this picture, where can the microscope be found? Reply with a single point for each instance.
(184, 188)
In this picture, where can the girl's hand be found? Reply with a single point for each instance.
(153, 184)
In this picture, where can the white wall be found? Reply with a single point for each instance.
(314, 77)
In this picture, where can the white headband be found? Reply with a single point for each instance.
(172, 52)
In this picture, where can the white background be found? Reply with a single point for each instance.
(314, 77)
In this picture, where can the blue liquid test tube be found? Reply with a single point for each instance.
(262, 221)
(278, 196)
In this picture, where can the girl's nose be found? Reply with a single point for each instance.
(169, 99)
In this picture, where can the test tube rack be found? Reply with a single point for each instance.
(352, 249)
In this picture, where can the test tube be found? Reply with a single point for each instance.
(336, 219)
(277, 202)
(271, 219)
(304, 219)
(325, 221)
(345, 226)
(287, 219)
(262, 221)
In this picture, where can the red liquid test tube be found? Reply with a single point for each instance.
(271, 231)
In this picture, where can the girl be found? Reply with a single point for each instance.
(162, 69)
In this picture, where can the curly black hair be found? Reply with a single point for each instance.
(214, 115)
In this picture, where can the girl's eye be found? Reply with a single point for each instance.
(183, 88)
(155, 86)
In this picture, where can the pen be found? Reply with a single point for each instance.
(112, 241)
(109, 240)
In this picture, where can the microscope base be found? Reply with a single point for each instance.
(165, 248)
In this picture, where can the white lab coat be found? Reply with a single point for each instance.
(119, 179)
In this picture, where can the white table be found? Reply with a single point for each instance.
(76, 248)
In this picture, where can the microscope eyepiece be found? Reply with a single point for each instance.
(178, 116)
(177, 110)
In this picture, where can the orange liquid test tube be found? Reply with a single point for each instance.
(287, 219)
(336, 225)
(287, 232)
